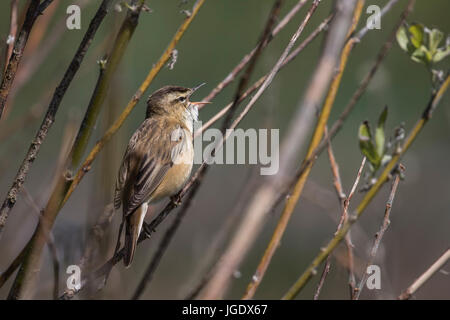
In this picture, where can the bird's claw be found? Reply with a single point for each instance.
(176, 200)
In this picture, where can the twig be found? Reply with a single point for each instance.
(321, 77)
(335, 171)
(438, 264)
(325, 272)
(387, 7)
(237, 98)
(34, 10)
(379, 235)
(12, 32)
(348, 240)
(434, 100)
(34, 59)
(344, 203)
(60, 91)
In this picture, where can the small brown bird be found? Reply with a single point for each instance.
(158, 159)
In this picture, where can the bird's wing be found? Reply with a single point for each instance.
(152, 150)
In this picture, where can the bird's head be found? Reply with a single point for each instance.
(173, 100)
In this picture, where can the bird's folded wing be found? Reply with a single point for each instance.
(152, 150)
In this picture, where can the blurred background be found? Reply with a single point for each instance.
(221, 34)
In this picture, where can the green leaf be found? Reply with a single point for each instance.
(416, 32)
(402, 38)
(421, 55)
(441, 53)
(366, 145)
(436, 37)
(379, 133)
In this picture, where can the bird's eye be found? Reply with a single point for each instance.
(182, 99)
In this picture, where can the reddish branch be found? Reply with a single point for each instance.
(34, 10)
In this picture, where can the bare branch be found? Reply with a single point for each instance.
(438, 264)
(34, 10)
(325, 272)
(12, 32)
(379, 235)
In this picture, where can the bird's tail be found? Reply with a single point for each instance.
(133, 226)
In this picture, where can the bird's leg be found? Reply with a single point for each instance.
(147, 230)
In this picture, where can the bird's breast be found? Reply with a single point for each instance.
(178, 174)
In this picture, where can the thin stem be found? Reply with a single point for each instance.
(438, 264)
(12, 31)
(344, 203)
(34, 10)
(42, 47)
(379, 235)
(309, 272)
(325, 272)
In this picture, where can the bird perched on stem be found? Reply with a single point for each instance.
(157, 161)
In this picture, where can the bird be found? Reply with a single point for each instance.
(158, 159)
